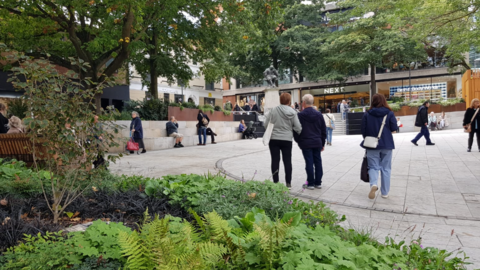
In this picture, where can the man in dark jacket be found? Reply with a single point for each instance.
(172, 131)
(422, 122)
(312, 141)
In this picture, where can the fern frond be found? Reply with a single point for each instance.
(133, 248)
(211, 252)
(217, 225)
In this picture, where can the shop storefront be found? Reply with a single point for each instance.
(430, 88)
(330, 97)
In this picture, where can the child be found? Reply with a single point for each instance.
(399, 124)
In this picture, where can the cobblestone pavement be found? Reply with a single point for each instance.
(434, 189)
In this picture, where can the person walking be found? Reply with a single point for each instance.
(339, 105)
(172, 131)
(471, 120)
(203, 121)
(137, 131)
(285, 120)
(3, 119)
(330, 122)
(312, 141)
(379, 120)
(422, 122)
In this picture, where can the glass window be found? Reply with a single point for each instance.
(209, 101)
(209, 86)
(166, 96)
(179, 98)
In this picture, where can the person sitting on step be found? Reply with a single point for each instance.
(172, 131)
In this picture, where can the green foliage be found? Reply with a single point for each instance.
(227, 197)
(52, 251)
(450, 101)
(217, 108)
(395, 107)
(19, 181)
(152, 109)
(17, 107)
(100, 263)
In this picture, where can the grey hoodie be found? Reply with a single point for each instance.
(284, 119)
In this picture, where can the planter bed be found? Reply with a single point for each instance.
(437, 108)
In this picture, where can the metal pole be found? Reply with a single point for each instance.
(410, 81)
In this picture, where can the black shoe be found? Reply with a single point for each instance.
(318, 186)
(131, 152)
(289, 186)
(181, 145)
(430, 143)
(469, 150)
(144, 151)
(177, 146)
(414, 143)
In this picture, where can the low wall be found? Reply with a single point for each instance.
(155, 134)
(191, 115)
(455, 119)
(437, 108)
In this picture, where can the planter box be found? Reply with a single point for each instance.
(437, 108)
(191, 115)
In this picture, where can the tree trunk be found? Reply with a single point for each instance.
(153, 67)
(373, 83)
(98, 104)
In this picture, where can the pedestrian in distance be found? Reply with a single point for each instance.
(172, 131)
(422, 121)
(330, 122)
(379, 119)
(285, 121)
(202, 125)
(343, 109)
(137, 131)
(312, 141)
(472, 119)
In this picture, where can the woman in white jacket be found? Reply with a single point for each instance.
(330, 122)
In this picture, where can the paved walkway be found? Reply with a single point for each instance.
(434, 189)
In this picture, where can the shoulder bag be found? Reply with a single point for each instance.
(204, 121)
(268, 132)
(332, 123)
(372, 142)
(469, 126)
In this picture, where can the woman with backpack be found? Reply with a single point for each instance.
(378, 124)
(203, 121)
(330, 122)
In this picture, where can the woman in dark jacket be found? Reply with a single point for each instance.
(137, 131)
(474, 125)
(202, 127)
(3, 119)
(380, 158)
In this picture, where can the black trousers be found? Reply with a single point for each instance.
(285, 147)
(211, 133)
(470, 138)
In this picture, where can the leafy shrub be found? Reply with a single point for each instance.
(52, 251)
(395, 107)
(228, 198)
(152, 109)
(18, 180)
(218, 108)
(17, 107)
(189, 105)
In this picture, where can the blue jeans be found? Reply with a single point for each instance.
(313, 159)
(380, 160)
(202, 131)
(329, 135)
(344, 115)
(423, 132)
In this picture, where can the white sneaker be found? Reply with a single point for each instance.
(373, 189)
(385, 196)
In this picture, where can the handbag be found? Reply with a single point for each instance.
(132, 145)
(332, 124)
(372, 142)
(469, 126)
(364, 171)
(268, 133)
(204, 121)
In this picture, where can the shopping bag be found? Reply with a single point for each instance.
(132, 145)
(364, 171)
(268, 134)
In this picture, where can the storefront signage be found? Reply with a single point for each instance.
(167, 90)
(333, 90)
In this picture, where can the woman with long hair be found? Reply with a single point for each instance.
(285, 121)
(202, 125)
(379, 158)
(474, 123)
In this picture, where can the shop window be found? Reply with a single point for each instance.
(209, 101)
(179, 98)
(166, 97)
(117, 104)
(105, 102)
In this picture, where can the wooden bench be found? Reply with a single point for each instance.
(19, 147)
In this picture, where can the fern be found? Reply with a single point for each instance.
(133, 248)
